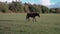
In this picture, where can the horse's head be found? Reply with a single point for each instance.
(37, 14)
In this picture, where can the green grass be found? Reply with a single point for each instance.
(16, 24)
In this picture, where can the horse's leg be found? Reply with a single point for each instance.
(27, 18)
(34, 19)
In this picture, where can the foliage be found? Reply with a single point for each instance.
(16, 6)
(55, 10)
(3, 7)
(19, 7)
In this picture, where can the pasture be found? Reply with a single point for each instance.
(16, 24)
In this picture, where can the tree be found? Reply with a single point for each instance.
(16, 6)
(3, 7)
(44, 9)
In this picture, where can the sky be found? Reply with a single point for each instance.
(43, 2)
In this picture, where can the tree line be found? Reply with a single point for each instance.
(19, 7)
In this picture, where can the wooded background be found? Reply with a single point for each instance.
(19, 7)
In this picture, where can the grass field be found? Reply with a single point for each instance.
(16, 24)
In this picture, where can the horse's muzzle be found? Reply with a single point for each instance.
(38, 16)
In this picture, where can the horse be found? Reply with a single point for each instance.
(32, 15)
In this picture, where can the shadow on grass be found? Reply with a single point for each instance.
(12, 21)
(19, 21)
(7, 20)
